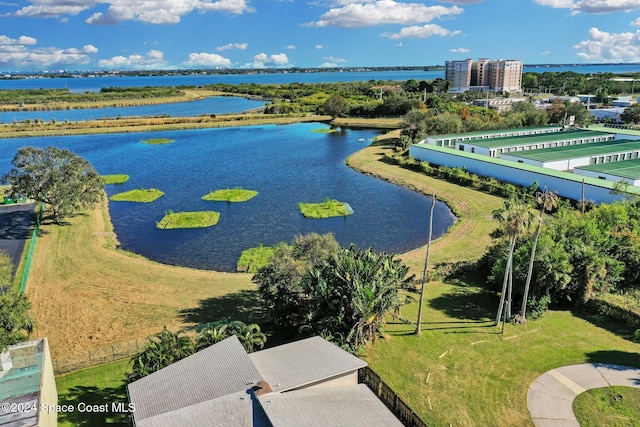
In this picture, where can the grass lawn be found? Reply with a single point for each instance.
(115, 179)
(325, 130)
(237, 194)
(189, 220)
(608, 406)
(100, 385)
(86, 294)
(142, 195)
(158, 141)
(326, 209)
(253, 258)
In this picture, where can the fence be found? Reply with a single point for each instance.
(32, 247)
(390, 398)
(98, 356)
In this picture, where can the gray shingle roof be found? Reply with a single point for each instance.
(353, 406)
(219, 370)
(303, 362)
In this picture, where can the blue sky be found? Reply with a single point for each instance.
(166, 34)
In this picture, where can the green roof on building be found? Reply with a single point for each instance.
(524, 167)
(536, 139)
(619, 129)
(491, 132)
(577, 151)
(625, 169)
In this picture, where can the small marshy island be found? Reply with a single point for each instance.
(141, 195)
(326, 209)
(158, 141)
(237, 194)
(200, 219)
(115, 179)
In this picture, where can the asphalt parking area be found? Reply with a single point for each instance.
(15, 228)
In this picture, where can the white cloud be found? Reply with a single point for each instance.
(291, 47)
(460, 50)
(378, 12)
(154, 59)
(149, 11)
(460, 1)
(229, 46)
(592, 6)
(328, 65)
(636, 23)
(21, 53)
(204, 59)
(334, 59)
(319, 46)
(609, 47)
(420, 32)
(262, 60)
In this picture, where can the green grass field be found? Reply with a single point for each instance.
(326, 209)
(115, 179)
(230, 195)
(141, 196)
(608, 406)
(100, 385)
(158, 141)
(189, 220)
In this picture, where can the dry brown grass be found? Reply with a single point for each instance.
(86, 294)
(474, 208)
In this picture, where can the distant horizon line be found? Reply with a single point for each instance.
(287, 69)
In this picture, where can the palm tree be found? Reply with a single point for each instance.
(211, 335)
(426, 264)
(514, 216)
(161, 350)
(548, 201)
(250, 336)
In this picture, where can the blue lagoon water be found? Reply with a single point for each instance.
(285, 164)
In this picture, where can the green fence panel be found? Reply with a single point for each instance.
(32, 247)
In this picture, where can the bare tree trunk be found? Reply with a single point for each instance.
(523, 310)
(512, 245)
(426, 264)
(510, 289)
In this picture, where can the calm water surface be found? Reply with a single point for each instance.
(285, 164)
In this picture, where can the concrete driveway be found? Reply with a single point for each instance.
(550, 397)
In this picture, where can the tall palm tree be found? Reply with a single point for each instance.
(426, 265)
(514, 217)
(547, 200)
(211, 335)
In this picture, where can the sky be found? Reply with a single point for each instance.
(51, 35)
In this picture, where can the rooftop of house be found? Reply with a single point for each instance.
(578, 151)
(223, 385)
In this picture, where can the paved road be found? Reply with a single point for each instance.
(15, 225)
(550, 397)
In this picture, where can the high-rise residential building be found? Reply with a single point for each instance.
(484, 74)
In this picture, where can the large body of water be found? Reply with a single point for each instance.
(285, 164)
(96, 83)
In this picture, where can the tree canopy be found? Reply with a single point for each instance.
(57, 177)
(16, 322)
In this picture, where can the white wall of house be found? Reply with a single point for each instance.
(566, 184)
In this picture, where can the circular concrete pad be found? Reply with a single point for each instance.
(550, 397)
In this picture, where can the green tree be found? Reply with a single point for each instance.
(335, 106)
(414, 126)
(160, 351)
(279, 282)
(631, 114)
(57, 177)
(351, 295)
(16, 323)
(250, 335)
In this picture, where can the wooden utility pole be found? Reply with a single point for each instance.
(426, 264)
